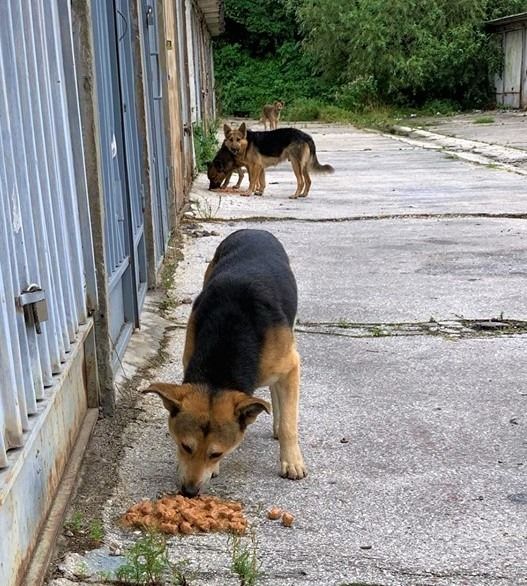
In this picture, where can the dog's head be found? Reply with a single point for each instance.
(235, 138)
(216, 173)
(278, 105)
(205, 426)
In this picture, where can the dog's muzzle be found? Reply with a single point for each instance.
(189, 490)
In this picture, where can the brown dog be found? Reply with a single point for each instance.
(258, 150)
(271, 114)
(239, 337)
(221, 168)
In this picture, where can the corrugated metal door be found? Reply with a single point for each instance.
(40, 235)
(509, 83)
(133, 142)
(156, 128)
(120, 163)
(523, 97)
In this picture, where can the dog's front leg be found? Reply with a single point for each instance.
(216, 470)
(226, 181)
(254, 173)
(260, 183)
(288, 390)
(241, 175)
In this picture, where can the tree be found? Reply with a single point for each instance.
(411, 50)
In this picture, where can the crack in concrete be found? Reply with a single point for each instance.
(367, 218)
(451, 329)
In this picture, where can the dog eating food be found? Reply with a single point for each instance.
(179, 514)
(240, 336)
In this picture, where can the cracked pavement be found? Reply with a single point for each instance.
(416, 443)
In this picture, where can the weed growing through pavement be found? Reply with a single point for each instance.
(147, 564)
(245, 562)
(205, 210)
(146, 561)
(484, 120)
(96, 530)
(75, 523)
(377, 332)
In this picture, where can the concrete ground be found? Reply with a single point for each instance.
(500, 127)
(413, 407)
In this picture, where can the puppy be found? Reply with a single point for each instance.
(271, 114)
(220, 169)
(239, 338)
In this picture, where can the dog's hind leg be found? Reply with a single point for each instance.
(288, 392)
(307, 182)
(275, 401)
(304, 169)
(295, 163)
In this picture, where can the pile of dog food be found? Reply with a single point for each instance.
(178, 514)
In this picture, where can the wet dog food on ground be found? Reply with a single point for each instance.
(179, 514)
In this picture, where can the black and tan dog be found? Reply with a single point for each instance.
(271, 114)
(239, 337)
(258, 150)
(220, 169)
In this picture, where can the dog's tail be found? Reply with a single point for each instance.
(314, 163)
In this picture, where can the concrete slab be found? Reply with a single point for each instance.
(374, 175)
(508, 129)
(416, 445)
(395, 270)
(414, 467)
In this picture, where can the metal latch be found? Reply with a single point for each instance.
(35, 306)
(149, 16)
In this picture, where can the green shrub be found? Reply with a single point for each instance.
(358, 95)
(410, 51)
(302, 109)
(245, 83)
(205, 144)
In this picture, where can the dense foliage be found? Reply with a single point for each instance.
(356, 54)
(409, 51)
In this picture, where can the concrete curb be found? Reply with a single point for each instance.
(478, 152)
(41, 557)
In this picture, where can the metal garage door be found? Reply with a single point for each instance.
(121, 169)
(156, 128)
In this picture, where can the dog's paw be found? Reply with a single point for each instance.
(294, 469)
(216, 471)
(260, 193)
(293, 197)
(245, 193)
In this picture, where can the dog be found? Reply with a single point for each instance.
(258, 150)
(239, 337)
(220, 169)
(271, 114)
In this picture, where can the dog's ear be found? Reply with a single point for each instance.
(248, 409)
(243, 129)
(226, 130)
(171, 395)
